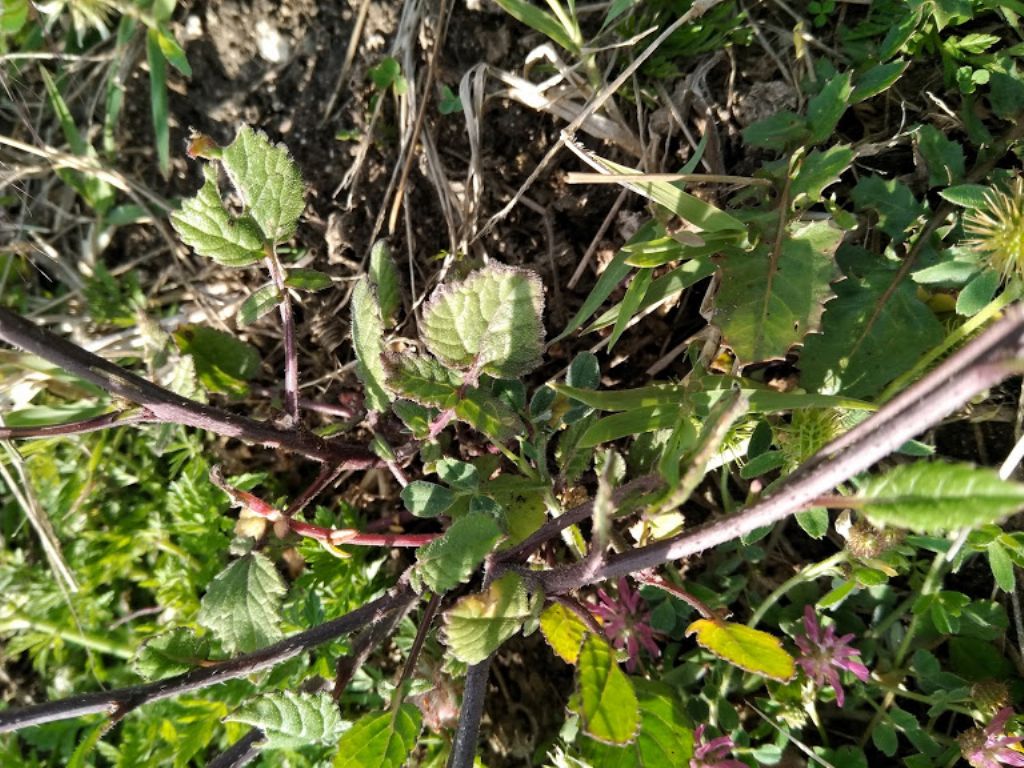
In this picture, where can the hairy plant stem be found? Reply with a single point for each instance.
(987, 360)
(117, 703)
(291, 357)
(161, 406)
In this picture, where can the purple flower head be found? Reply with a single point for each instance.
(990, 747)
(626, 622)
(822, 654)
(714, 753)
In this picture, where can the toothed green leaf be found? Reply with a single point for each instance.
(259, 303)
(368, 342)
(489, 415)
(242, 605)
(450, 560)
(421, 379)
(490, 322)
(666, 735)
(605, 699)
(170, 653)
(477, 625)
(223, 363)
(770, 299)
(934, 497)
(291, 720)
(268, 182)
(564, 631)
(381, 740)
(384, 275)
(204, 224)
(748, 648)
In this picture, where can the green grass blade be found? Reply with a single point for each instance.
(158, 100)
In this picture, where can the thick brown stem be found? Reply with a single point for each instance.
(983, 363)
(166, 407)
(117, 703)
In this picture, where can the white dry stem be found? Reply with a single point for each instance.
(21, 489)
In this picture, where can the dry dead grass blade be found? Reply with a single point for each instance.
(405, 38)
(417, 127)
(346, 66)
(21, 489)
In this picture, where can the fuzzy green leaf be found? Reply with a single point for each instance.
(421, 379)
(451, 559)
(489, 415)
(978, 292)
(382, 740)
(267, 181)
(309, 280)
(223, 362)
(748, 648)
(966, 195)
(665, 739)
(259, 303)
(384, 276)
(605, 701)
(368, 342)
(814, 522)
(241, 606)
(767, 301)
(489, 322)
(932, 497)
(425, 499)
(291, 720)
(205, 225)
(564, 632)
(170, 653)
(477, 625)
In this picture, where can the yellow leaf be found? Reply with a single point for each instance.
(749, 649)
(564, 632)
